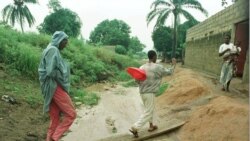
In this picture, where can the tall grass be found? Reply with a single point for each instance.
(88, 98)
(90, 64)
(21, 55)
(23, 58)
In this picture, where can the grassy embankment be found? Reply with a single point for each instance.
(20, 55)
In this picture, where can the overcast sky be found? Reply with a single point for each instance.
(133, 12)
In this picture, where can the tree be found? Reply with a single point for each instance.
(120, 49)
(18, 12)
(135, 45)
(54, 5)
(62, 19)
(114, 32)
(183, 30)
(162, 40)
(180, 50)
(164, 8)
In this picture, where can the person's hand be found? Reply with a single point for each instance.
(173, 61)
(238, 49)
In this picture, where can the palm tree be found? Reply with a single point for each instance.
(18, 12)
(164, 8)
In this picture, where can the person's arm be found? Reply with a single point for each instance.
(51, 61)
(169, 71)
(223, 52)
(238, 51)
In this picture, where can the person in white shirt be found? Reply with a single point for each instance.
(148, 88)
(227, 50)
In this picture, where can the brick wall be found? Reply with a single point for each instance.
(203, 54)
(204, 39)
(221, 22)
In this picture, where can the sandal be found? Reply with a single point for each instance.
(135, 133)
(151, 129)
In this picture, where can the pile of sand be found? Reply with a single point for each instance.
(185, 87)
(221, 118)
(224, 119)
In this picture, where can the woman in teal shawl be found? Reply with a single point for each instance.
(54, 79)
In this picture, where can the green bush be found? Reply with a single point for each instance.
(162, 89)
(75, 79)
(120, 49)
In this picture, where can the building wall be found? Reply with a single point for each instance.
(204, 39)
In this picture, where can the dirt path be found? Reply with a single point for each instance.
(192, 96)
(120, 103)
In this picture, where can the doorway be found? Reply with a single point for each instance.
(242, 36)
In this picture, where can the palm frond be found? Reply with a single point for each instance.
(18, 13)
(31, 1)
(21, 17)
(187, 15)
(151, 15)
(160, 2)
(6, 12)
(162, 18)
(195, 5)
(29, 17)
(13, 16)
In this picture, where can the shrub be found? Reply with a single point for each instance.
(120, 49)
(162, 89)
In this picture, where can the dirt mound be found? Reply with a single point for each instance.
(222, 120)
(184, 88)
(21, 122)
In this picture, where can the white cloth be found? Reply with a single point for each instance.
(226, 73)
(236, 50)
(224, 46)
(148, 100)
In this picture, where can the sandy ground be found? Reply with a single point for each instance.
(117, 103)
(210, 114)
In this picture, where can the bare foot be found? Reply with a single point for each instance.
(134, 132)
(152, 128)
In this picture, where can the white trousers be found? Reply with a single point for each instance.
(148, 100)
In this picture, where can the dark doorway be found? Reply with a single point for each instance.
(242, 35)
